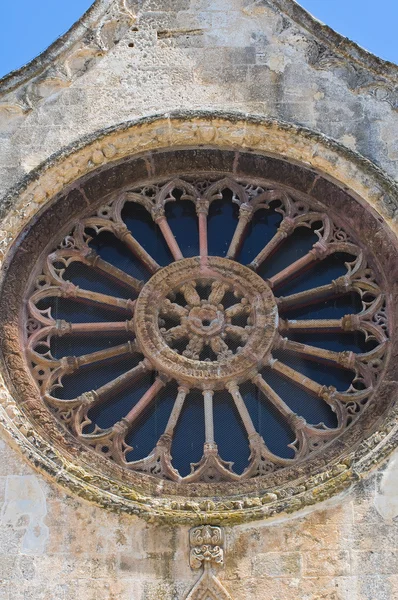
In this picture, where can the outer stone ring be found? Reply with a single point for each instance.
(53, 429)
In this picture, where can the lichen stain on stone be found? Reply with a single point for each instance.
(277, 63)
(386, 498)
(25, 508)
(349, 141)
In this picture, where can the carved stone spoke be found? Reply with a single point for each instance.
(121, 277)
(307, 384)
(143, 256)
(285, 229)
(345, 359)
(297, 267)
(173, 310)
(337, 287)
(235, 331)
(58, 262)
(206, 325)
(159, 461)
(146, 399)
(308, 437)
(70, 364)
(105, 392)
(169, 238)
(245, 216)
(261, 460)
(190, 294)
(194, 348)
(203, 244)
(220, 348)
(317, 325)
(243, 308)
(218, 291)
(66, 328)
(70, 291)
(175, 333)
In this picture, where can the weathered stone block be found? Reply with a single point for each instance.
(277, 564)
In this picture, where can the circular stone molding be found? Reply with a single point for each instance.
(206, 321)
(51, 199)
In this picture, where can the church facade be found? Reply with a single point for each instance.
(198, 315)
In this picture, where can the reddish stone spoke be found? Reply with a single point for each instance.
(61, 328)
(242, 409)
(308, 437)
(335, 288)
(107, 391)
(209, 417)
(347, 359)
(103, 355)
(313, 325)
(273, 397)
(293, 270)
(124, 381)
(285, 228)
(305, 383)
(65, 328)
(169, 238)
(88, 257)
(123, 234)
(97, 298)
(158, 462)
(117, 274)
(318, 252)
(176, 411)
(71, 291)
(261, 460)
(70, 364)
(203, 244)
(144, 401)
(245, 215)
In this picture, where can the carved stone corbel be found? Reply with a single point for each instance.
(207, 553)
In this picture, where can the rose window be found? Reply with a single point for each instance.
(206, 329)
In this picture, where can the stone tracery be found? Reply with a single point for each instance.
(193, 339)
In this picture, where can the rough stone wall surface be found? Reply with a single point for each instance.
(57, 547)
(195, 54)
(190, 54)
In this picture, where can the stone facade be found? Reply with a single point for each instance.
(127, 60)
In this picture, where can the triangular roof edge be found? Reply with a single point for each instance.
(102, 10)
(43, 60)
(337, 42)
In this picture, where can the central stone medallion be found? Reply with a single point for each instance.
(206, 322)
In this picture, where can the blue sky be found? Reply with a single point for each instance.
(370, 23)
(27, 27)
